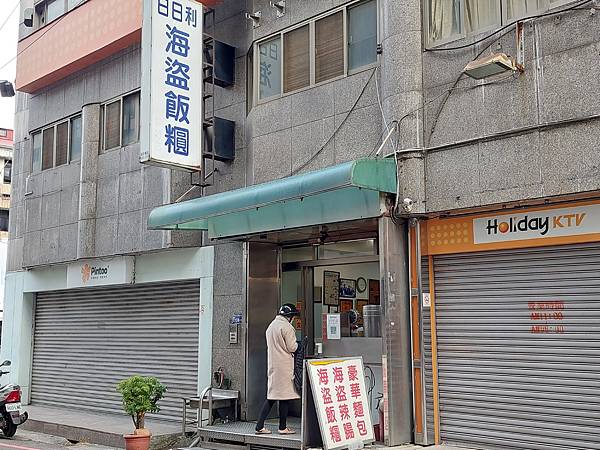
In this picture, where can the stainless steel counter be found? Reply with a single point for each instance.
(370, 349)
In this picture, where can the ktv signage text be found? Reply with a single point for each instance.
(561, 222)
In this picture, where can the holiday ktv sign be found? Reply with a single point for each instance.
(172, 84)
(560, 224)
(553, 223)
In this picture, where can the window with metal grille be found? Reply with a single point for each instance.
(449, 20)
(7, 172)
(362, 35)
(49, 10)
(4, 219)
(112, 125)
(296, 59)
(57, 144)
(120, 121)
(62, 143)
(36, 157)
(329, 47)
(131, 118)
(48, 149)
(55, 9)
(75, 141)
(269, 76)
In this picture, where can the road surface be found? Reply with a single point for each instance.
(25, 440)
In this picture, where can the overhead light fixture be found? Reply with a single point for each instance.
(6, 89)
(280, 6)
(255, 18)
(490, 65)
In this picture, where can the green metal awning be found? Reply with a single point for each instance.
(340, 193)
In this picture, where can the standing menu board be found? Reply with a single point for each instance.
(341, 402)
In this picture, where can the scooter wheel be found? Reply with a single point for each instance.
(9, 429)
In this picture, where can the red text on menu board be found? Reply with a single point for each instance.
(341, 394)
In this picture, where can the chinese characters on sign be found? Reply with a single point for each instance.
(172, 83)
(547, 317)
(341, 402)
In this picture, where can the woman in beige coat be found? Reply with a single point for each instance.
(281, 345)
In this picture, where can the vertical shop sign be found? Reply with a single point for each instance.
(172, 84)
(341, 402)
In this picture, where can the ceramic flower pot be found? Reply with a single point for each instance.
(136, 442)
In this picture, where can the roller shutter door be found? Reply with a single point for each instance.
(87, 340)
(519, 348)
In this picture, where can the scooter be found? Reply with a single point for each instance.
(11, 413)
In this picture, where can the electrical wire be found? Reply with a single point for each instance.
(46, 30)
(454, 87)
(372, 383)
(9, 15)
(398, 123)
(379, 102)
(318, 152)
(509, 25)
(443, 105)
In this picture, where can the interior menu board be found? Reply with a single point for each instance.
(331, 288)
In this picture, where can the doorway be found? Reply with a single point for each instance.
(356, 264)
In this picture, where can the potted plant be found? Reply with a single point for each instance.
(140, 396)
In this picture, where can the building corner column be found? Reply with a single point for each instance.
(86, 229)
(402, 91)
(396, 330)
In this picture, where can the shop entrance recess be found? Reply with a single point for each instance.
(279, 273)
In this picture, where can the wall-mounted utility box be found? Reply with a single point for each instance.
(224, 64)
(223, 131)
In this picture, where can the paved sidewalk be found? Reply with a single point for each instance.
(432, 447)
(102, 429)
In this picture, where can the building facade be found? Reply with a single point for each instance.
(489, 314)
(6, 148)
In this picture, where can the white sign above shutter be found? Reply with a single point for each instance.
(101, 272)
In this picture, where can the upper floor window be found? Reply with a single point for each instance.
(322, 49)
(7, 175)
(49, 10)
(4, 214)
(120, 122)
(57, 144)
(454, 19)
(3, 132)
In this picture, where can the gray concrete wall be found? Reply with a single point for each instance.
(48, 205)
(534, 157)
(274, 140)
(284, 133)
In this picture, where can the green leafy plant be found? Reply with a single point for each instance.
(140, 396)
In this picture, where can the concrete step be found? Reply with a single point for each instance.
(101, 429)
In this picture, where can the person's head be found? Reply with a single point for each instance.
(288, 311)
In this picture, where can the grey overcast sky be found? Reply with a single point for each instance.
(8, 43)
